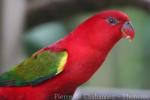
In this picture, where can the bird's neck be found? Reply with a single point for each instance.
(81, 41)
(85, 59)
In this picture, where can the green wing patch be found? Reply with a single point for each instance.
(35, 70)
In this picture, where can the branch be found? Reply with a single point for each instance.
(110, 94)
(47, 10)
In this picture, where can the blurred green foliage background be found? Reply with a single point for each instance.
(128, 64)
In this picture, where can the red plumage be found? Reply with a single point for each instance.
(87, 46)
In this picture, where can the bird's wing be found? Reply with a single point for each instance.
(35, 69)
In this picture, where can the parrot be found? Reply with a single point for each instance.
(55, 71)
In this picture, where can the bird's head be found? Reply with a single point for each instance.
(118, 22)
(106, 27)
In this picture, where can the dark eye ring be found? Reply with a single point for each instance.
(112, 21)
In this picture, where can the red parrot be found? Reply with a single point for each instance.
(58, 69)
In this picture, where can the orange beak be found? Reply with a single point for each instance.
(127, 31)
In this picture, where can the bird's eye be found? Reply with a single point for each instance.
(112, 21)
